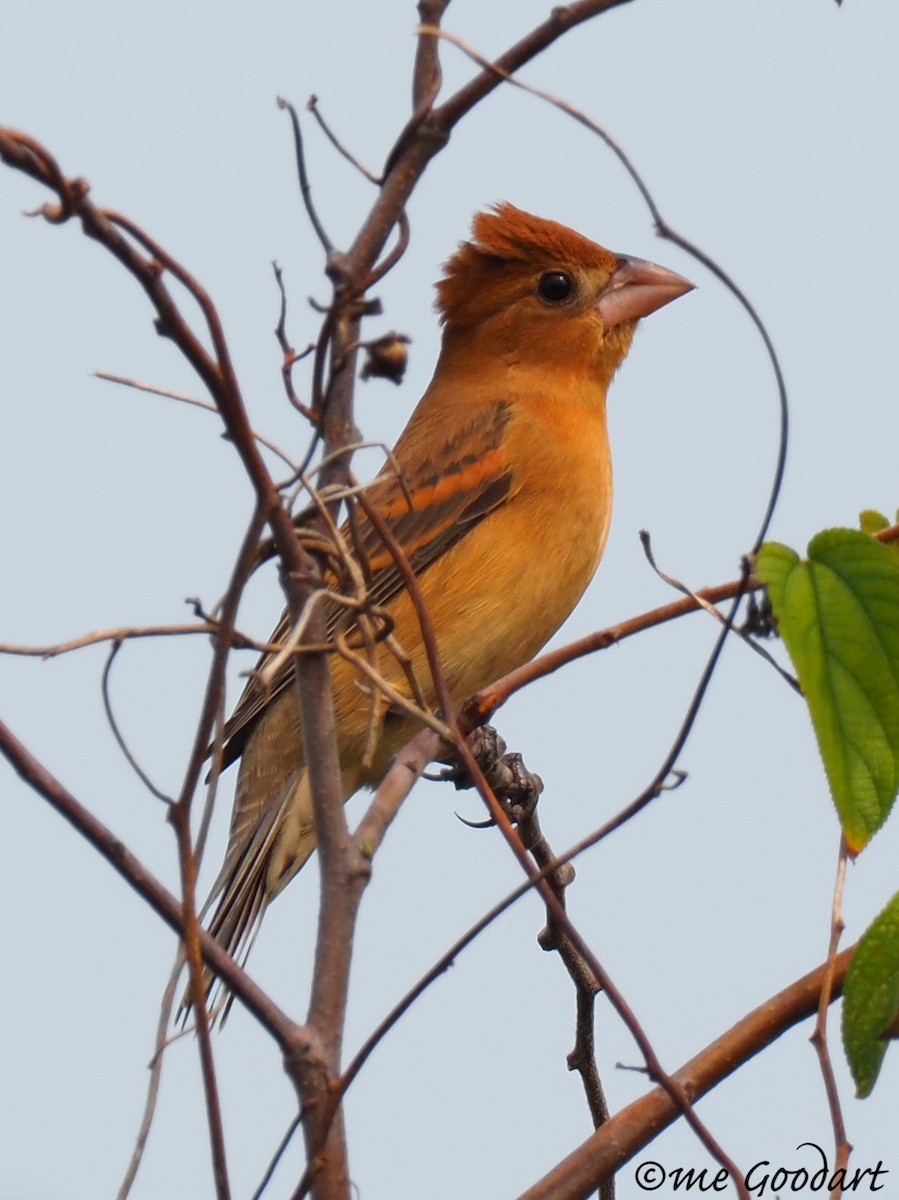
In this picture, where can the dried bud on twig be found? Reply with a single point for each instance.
(386, 357)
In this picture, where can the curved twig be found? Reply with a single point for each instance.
(305, 186)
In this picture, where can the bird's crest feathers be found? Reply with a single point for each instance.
(503, 237)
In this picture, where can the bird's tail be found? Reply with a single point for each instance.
(252, 875)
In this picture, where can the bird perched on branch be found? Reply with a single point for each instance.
(499, 491)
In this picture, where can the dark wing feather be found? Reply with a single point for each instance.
(427, 511)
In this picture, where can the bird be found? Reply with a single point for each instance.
(499, 491)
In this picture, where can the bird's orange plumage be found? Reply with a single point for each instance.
(506, 464)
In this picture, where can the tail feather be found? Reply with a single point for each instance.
(244, 888)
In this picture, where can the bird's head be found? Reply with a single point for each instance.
(532, 292)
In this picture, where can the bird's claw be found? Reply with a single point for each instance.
(516, 788)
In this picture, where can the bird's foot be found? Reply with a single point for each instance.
(516, 788)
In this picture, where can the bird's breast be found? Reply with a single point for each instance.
(506, 587)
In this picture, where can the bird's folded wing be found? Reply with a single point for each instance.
(428, 510)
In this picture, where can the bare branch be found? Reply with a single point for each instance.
(408, 767)
(426, 74)
(286, 1032)
(607, 1150)
(489, 699)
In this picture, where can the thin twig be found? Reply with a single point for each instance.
(312, 106)
(305, 186)
(195, 402)
(378, 272)
(289, 356)
(211, 716)
(819, 1036)
(277, 1156)
(119, 736)
(562, 19)
(155, 1068)
(121, 633)
(744, 637)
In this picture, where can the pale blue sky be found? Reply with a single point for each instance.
(769, 134)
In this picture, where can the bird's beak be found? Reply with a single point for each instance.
(636, 289)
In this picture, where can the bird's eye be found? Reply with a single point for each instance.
(555, 287)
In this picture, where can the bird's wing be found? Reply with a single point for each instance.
(429, 507)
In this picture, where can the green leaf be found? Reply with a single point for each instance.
(871, 521)
(871, 997)
(838, 614)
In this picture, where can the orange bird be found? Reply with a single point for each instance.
(499, 492)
